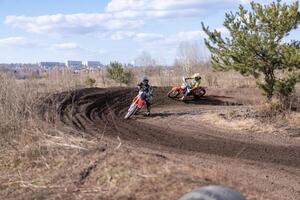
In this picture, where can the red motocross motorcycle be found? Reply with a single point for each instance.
(137, 104)
(178, 91)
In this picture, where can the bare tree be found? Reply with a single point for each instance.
(189, 56)
(145, 60)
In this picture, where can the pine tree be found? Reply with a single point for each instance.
(116, 72)
(258, 46)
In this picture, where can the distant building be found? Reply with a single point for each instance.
(93, 64)
(50, 65)
(74, 64)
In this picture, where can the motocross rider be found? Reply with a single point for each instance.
(194, 82)
(145, 90)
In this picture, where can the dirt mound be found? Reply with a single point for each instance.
(99, 112)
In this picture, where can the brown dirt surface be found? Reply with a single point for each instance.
(262, 166)
(90, 110)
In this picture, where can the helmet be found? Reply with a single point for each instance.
(145, 79)
(197, 76)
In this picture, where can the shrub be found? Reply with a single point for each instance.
(90, 81)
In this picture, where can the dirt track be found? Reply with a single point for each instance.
(100, 112)
(260, 164)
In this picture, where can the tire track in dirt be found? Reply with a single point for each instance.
(91, 110)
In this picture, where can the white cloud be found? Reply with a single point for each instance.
(121, 35)
(167, 8)
(66, 46)
(149, 37)
(12, 41)
(18, 42)
(189, 35)
(80, 23)
(120, 15)
(140, 37)
(175, 39)
(120, 5)
(245, 1)
(148, 14)
(155, 38)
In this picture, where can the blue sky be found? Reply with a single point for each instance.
(106, 30)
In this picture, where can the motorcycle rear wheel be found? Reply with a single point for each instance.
(203, 92)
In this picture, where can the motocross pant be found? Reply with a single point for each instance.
(147, 97)
(148, 105)
(187, 90)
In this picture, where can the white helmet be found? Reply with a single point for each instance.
(197, 76)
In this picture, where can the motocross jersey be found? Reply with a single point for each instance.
(194, 83)
(145, 87)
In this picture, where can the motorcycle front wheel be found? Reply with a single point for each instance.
(173, 94)
(131, 111)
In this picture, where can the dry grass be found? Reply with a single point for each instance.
(254, 120)
(31, 150)
(18, 97)
(24, 141)
(294, 119)
(227, 121)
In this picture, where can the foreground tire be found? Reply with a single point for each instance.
(131, 111)
(173, 94)
(213, 193)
